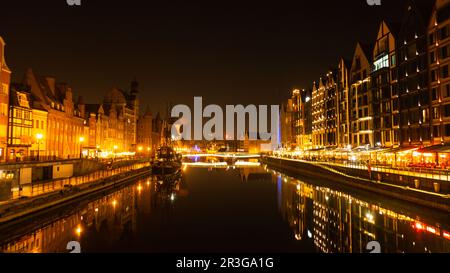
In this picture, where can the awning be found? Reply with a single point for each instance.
(437, 149)
(400, 150)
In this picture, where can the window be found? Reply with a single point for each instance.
(4, 89)
(444, 71)
(393, 60)
(436, 131)
(447, 110)
(436, 112)
(434, 94)
(381, 63)
(42, 124)
(432, 38)
(433, 75)
(37, 124)
(433, 57)
(443, 52)
(446, 91)
(443, 33)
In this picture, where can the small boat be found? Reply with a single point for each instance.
(167, 162)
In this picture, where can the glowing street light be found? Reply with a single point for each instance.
(39, 137)
(81, 139)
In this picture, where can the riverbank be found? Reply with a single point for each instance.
(23, 210)
(405, 192)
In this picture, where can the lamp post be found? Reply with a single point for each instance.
(140, 149)
(81, 146)
(39, 137)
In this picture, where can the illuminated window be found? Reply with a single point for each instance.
(381, 63)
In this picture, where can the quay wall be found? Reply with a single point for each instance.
(401, 190)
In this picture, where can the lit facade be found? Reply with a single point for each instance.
(318, 114)
(384, 88)
(438, 75)
(343, 106)
(38, 132)
(5, 77)
(65, 124)
(20, 123)
(144, 133)
(287, 124)
(361, 116)
(331, 108)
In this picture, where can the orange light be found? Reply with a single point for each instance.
(431, 230)
(446, 235)
(419, 226)
(78, 230)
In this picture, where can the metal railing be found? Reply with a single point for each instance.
(428, 173)
(36, 189)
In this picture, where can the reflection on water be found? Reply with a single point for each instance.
(313, 218)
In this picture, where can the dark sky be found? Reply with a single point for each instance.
(236, 52)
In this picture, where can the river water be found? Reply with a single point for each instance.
(250, 209)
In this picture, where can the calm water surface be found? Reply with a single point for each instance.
(237, 210)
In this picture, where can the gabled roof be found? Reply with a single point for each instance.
(3, 65)
(367, 49)
(421, 11)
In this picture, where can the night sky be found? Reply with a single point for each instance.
(229, 52)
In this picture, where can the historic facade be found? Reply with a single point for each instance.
(5, 77)
(20, 123)
(144, 133)
(64, 135)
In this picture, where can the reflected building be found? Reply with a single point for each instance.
(338, 223)
(109, 218)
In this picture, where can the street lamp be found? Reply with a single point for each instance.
(115, 151)
(81, 146)
(39, 137)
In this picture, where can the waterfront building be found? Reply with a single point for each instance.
(438, 74)
(144, 132)
(306, 141)
(318, 114)
(20, 123)
(287, 123)
(361, 117)
(5, 77)
(343, 105)
(331, 117)
(302, 123)
(65, 124)
(38, 132)
(125, 104)
(415, 96)
(386, 122)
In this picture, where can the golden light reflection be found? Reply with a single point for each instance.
(78, 230)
